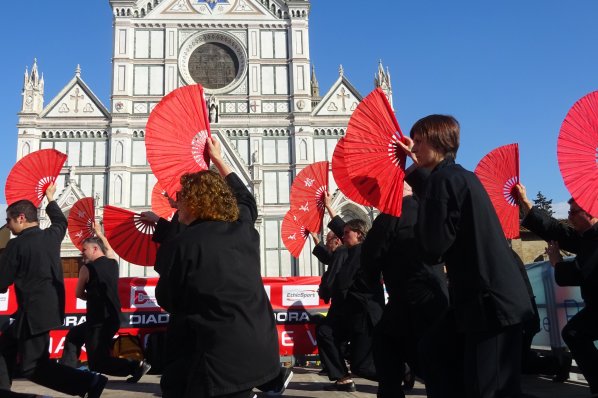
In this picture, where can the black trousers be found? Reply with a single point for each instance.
(35, 364)
(579, 334)
(493, 363)
(351, 324)
(98, 342)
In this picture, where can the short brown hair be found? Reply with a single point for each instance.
(440, 131)
(208, 196)
(25, 207)
(359, 226)
(94, 240)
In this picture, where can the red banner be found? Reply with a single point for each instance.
(294, 300)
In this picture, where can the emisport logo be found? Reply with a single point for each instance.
(300, 295)
(143, 297)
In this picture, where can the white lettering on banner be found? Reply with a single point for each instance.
(143, 297)
(286, 338)
(291, 316)
(73, 320)
(81, 304)
(268, 290)
(300, 295)
(148, 319)
(4, 301)
(59, 347)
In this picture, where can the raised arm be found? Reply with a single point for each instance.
(57, 218)
(109, 251)
(245, 199)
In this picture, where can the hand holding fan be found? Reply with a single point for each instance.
(373, 161)
(80, 221)
(294, 234)
(307, 195)
(498, 172)
(176, 134)
(130, 237)
(577, 152)
(30, 177)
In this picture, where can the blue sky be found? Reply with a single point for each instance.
(508, 71)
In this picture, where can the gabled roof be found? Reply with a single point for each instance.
(340, 100)
(233, 9)
(69, 196)
(76, 100)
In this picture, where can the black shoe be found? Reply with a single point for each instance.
(285, 376)
(347, 387)
(323, 372)
(564, 369)
(408, 380)
(97, 386)
(141, 370)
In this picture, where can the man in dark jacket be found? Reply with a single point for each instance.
(458, 224)
(98, 285)
(325, 253)
(581, 238)
(31, 262)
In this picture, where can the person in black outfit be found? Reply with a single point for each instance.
(98, 285)
(413, 328)
(31, 262)
(457, 223)
(210, 282)
(580, 238)
(324, 253)
(356, 307)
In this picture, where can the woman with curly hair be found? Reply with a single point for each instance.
(221, 339)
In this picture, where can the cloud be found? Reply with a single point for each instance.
(560, 210)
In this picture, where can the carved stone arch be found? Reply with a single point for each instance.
(303, 150)
(135, 134)
(335, 132)
(71, 134)
(105, 134)
(279, 14)
(25, 149)
(43, 134)
(78, 134)
(118, 189)
(149, 7)
(142, 134)
(128, 12)
(119, 152)
(136, 14)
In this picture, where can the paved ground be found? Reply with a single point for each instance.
(306, 383)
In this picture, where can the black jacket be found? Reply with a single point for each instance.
(103, 303)
(583, 271)
(32, 263)
(458, 224)
(210, 281)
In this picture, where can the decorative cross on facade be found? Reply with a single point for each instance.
(343, 96)
(253, 106)
(77, 97)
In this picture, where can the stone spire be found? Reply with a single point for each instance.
(382, 80)
(33, 91)
(315, 86)
(78, 71)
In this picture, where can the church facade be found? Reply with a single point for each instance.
(253, 59)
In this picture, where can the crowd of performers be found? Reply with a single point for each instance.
(460, 313)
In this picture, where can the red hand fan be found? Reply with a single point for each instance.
(498, 172)
(30, 177)
(160, 204)
(130, 237)
(576, 151)
(176, 134)
(80, 221)
(374, 162)
(340, 173)
(293, 233)
(307, 195)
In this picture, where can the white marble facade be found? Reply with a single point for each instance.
(265, 108)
